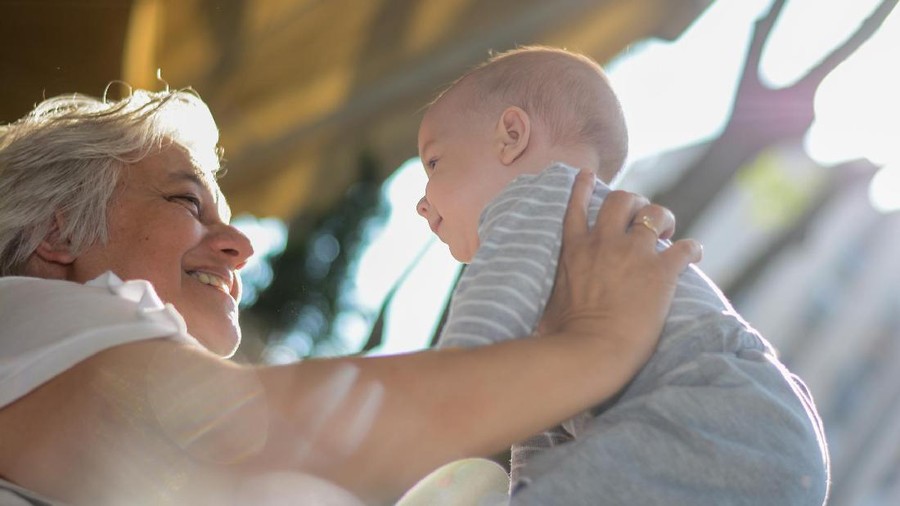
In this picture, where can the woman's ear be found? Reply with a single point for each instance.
(55, 249)
(513, 134)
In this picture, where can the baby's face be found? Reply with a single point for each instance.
(464, 174)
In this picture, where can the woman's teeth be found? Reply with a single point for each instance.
(211, 280)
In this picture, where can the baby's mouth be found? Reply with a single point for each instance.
(435, 226)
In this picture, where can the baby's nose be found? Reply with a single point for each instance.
(422, 207)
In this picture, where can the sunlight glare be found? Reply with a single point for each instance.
(884, 190)
(680, 93)
(420, 298)
(797, 43)
(858, 105)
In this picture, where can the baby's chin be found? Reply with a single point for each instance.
(461, 254)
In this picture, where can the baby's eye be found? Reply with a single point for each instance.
(432, 164)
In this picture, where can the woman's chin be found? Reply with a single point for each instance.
(222, 339)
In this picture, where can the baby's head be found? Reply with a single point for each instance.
(515, 114)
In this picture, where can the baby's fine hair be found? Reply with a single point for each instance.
(568, 92)
(63, 161)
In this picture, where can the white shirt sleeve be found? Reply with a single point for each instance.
(48, 326)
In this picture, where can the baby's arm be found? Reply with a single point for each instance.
(503, 292)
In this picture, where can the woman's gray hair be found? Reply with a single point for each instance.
(63, 161)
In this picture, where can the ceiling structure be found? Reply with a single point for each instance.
(301, 89)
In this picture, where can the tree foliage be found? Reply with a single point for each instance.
(310, 275)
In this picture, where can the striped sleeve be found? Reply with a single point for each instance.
(503, 291)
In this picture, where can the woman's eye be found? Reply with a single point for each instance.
(190, 201)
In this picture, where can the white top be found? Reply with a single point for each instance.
(48, 326)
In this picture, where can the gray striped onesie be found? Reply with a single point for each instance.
(712, 418)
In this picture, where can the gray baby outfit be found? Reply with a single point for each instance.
(712, 418)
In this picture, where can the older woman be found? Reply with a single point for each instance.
(115, 392)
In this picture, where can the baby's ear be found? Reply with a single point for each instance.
(513, 134)
(55, 249)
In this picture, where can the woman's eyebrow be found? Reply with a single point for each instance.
(188, 176)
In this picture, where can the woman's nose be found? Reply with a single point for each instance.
(234, 244)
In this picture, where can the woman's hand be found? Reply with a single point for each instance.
(611, 282)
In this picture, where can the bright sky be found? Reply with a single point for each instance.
(675, 94)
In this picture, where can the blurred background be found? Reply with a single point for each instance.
(770, 127)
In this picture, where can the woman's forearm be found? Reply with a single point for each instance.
(389, 420)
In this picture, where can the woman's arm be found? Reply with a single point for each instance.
(375, 425)
(157, 419)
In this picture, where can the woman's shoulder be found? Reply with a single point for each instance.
(50, 325)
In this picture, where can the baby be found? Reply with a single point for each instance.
(714, 417)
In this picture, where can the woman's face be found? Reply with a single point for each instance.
(168, 224)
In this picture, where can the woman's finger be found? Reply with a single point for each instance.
(654, 220)
(681, 253)
(576, 220)
(617, 213)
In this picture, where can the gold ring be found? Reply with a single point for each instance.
(647, 222)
